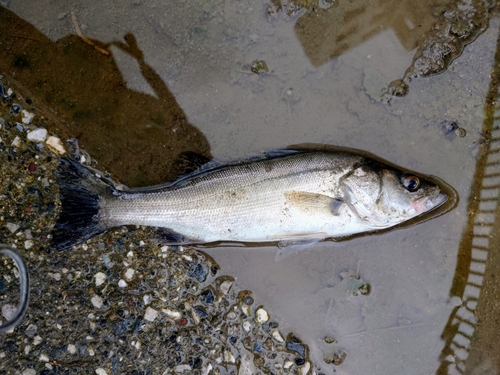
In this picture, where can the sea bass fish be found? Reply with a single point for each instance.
(290, 195)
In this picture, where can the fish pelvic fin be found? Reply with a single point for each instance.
(80, 192)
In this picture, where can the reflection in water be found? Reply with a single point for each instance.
(325, 34)
(90, 99)
(438, 29)
(471, 333)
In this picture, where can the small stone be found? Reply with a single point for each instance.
(44, 357)
(99, 278)
(129, 273)
(225, 286)
(12, 227)
(29, 371)
(277, 336)
(261, 315)
(122, 283)
(27, 116)
(9, 311)
(172, 313)
(96, 301)
(37, 135)
(16, 142)
(150, 314)
(56, 145)
(28, 244)
(182, 368)
(247, 325)
(228, 356)
(37, 340)
(56, 276)
(305, 368)
(71, 349)
(31, 330)
(101, 371)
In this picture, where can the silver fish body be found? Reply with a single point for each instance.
(294, 196)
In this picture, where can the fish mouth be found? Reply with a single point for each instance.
(425, 204)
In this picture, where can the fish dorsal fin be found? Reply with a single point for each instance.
(308, 202)
(213, 166)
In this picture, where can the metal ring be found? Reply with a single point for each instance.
(24, 287)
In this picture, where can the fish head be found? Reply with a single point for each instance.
(384, 197)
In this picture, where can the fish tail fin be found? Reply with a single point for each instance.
(80, 192)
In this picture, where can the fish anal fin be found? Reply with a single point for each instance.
(291, 245)
(307, 201)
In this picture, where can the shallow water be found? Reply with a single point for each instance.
(203, 53)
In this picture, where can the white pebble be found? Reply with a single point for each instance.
(129, 274)
(172, 313)
(277, 336)
(12, 227)
(122, 283)
(101, 371)
(164, 249)
(228, 356)
(9, 92)
(27, 350)
(247, 325)
(27, 116)
(150, 314)
(28, 244)
(96, 301)
(37, 135)
(225, 286)
(37, 340)
(71, 349)
(9, 311)
(147, 299)
(56, 145)
(29, 371)
(305, 368)
(44, 357)
(16, 142)
(99, 278)
(261, 315)
(27, 234)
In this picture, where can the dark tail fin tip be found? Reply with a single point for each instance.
(80, 192)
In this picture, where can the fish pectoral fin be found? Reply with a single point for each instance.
(307, 201)
(170, 237)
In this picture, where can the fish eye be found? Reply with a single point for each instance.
(411, 183)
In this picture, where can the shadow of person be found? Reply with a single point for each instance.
(83, 95)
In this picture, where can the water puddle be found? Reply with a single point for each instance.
(232, 79)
